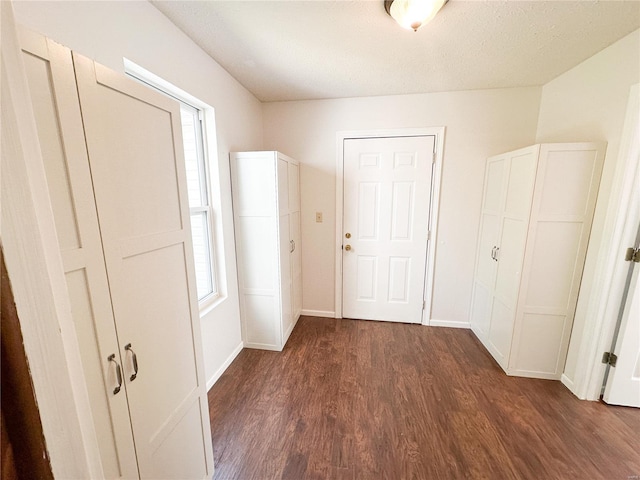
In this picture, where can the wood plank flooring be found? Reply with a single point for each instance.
(369, 400)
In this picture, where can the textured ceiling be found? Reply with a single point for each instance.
(295, 50)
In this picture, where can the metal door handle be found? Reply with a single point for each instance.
(495, 257)
(112, 358)
(347, 235)
(294, 245)
(290, 246)
(347, 247)
(134, 360)
(493, 253)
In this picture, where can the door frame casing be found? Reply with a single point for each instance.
(605, 293)
(438, 133)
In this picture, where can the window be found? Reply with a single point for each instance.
(199, 205)
(198, 185)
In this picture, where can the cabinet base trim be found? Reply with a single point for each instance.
(318, 313)
(571, 386)
(533, 374)
(449, 323)
(214, 378)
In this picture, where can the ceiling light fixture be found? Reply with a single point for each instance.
(412, 14)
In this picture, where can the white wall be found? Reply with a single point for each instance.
(588, 103)
(478, 124)
(109, 31)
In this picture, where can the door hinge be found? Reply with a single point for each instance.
(610, 358)
(632, 255)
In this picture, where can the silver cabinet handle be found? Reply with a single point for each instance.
(112, 358)
(493, 253)
(294, 245)
(495, 257)
(134, 360)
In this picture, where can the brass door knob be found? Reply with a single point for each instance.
(347, 247)
(348, 235)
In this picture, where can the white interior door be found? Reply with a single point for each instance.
(134, 142)
(623, 385)
(387, 197)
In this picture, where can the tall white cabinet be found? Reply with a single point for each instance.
(537, 209)
(113, 158)
(266, 210)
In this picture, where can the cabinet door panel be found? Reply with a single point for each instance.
(294, 187)
(283, 187)
(510, 256)
(486, 264)
(500, 331)
(135, 151)
(481, 310)
(52, 86)
(286, 246)
(296, 264)
(493, 187)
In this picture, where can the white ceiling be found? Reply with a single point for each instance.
(296, 50)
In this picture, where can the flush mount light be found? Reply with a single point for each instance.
(412, 14)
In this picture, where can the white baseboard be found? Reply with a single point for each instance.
(214, 378)
(318, 313)
(449, 323)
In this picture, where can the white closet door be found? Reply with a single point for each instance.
(286, 247)
(134, 143)
(296, 264)
(52, 86)
(514, 224)
(294, 226)
(568, 178)
(486, 263)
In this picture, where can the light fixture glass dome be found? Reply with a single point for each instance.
(412, 14)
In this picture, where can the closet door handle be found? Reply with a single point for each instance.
(134, 360)
(112, 358)
(495, 257)
(493, 253)
(294, 245)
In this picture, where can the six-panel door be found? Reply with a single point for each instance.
(387, 193)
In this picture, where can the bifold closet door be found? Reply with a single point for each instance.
(52, 86)
(134, 143)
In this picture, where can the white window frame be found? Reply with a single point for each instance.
(206, 116)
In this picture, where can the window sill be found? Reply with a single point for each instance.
(210, 304)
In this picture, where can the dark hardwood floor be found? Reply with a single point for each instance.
(368, 400)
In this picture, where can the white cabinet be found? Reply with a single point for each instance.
(266, 210)
(537, 210)
(116, 177)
